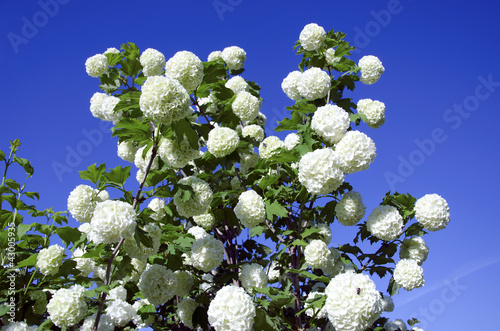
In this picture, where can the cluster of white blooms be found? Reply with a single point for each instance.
(292, 140)
(186, 68)
(312, 37)
(127, 150)
(330, 57)
(137, 319)
(268, 147)
(197, 232)
(158, 284)
(312, 311)
(112, 50)
(234, 57)
(120, 312)
(334, 265)
(246, 106)
(237, 84)
(261, 120)
(117, 293)
(350, 209)
(214, 56)
(232, 309)
(387, 303)
(352, 302)
(253, 131)
(18, 326)
(142, 252)
(432, 212)
(158, 206)
(373, 112)
(396, 325)
(185, 310)
(85, 265)
(142, 162)
(140, 176)
(385, 222)
(222, 141)
(82, 202)
(371, 69)
(414, 248)
(112, 221)
(273, 273)
(176, 154)
(317, 254)
(210, 101)
(199, 202)
(206, 220)
(356, 152)
(324, 232)
(330, 122)
(319, 171)
(207, 253)
(50, 259)
(105, 323)
(248, 161)
(416, 328)
(96, 65)
(290, 85)
(313, 84)
(408, 274)
(40, 306)
(152, 62)
(67, 306)
(250, 209)
(253, 275)
(102, 106)
(164, 99)
(184, 282)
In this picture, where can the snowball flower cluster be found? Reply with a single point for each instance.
(197, 232)
(234, 57)
(207, 253)
(324, 232)
(330, 122)
(356, 152)
(120, 312)
(158, 206)
(319, 171)
(290, 85)
(387, 303)
(250, 209)
(353, 303)
(19, 326)
(112, 221)
(158, 284)
(112, 50)
(142, 252)
(330, 57)
(246, 106)
(84, 265)
(408, 274)
(82, 202)
(102, 106)
(175, 154)
(164, 99)
(312, 311)
(67, 306)
(152, 62)
(222, 141)
(248, 161)
(184, 282)
(371, 69)
(199, 202)
(268, 147)
(350, 209)
(385, 223)
(185, 310)
(206, 220)
(117, 293)
(314, 84)
(432, 212)
(186, 68)
(252, 275)
(214, 56)
(334, 265)
(253, 131)
(372, 111)
(237, 84)
(396, 325)
(232, 309)
(126, 151)
(414, 248)
(105, 323)
(291, 140)
(312, 36)
(273, 273)
(317, 254)
(96, 65)
(50, 259)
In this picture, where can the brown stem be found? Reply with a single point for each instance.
(385, 244)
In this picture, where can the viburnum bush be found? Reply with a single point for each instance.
(219, 227)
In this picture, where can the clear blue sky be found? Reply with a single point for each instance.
(441, 89)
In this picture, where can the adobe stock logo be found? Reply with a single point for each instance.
(223, 6)
(32, 24)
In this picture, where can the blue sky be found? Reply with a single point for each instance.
(441, 89)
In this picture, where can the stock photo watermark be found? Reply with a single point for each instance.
(223, 6)
(10, 254)
(454, 117)
(32, 24)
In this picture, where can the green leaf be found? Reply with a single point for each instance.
(25, 164)
(256, 231)
(12, 184)
(309, 231)
(275, 208)
(118, 175)
(290, 124)
(32, 195)
(309, 275)
(93, 173)
(267, 181)
(22, 229)
(2, 156)
(29, 262)
(393, 288)
(133, 130)
(347, 248)
(263, 321)
(68, 234)
(328, 211)
(415, 229)
(183, 128)
(213, 71)
(413, 321)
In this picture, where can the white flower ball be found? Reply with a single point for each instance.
(385, 223)
(84, 228)
(356, 152)
(185, 310)
(371, 69)
(142, 162)
(40, 306)
(211, 101)
(105, 323)
(414, 248)
(158, 206)
(199, 202)
(120, 312)
(312, 311)
(408, 274)
(175, 154)
(142, 252)
(253, 131)
(102, 106)
(261, 120)
(250, 209)
(152, 62)
(118, 293)
(164, 99)
(232, 309)
(222, 141)
(96, 65)
(206, 220)
(246, 106)
(237, 84)
(214, 56)
(207, 253)
(353, 303)
(312, 37)
(127, 150)
(248, 161)
(112, 50)
(314, 84)
(234, 57)
(187, 68)
(330, 122)
(317, 254)
(84, 265)
(273, 273)
(67, 307)
(158, 284)
(50, 259)
(350, 209)
(197, 232)
(81, 203)
(112, 220)
(252, 275)
(96, 104)
(416, 328)
(330, 57)
(292, 140)
(140, 176)
(373, 112)
(335, 265)
(387, 303)
(269, 146)
(184, 282)
(19, 326)
(396, 325)
(432, 212)
(319, 171)
(324, 232)
(290, 85)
